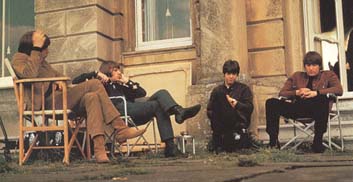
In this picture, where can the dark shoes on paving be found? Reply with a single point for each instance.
(274, 143)
(170, 149)
(317, 146)
(181, 114)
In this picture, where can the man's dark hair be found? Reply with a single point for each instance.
(312, 57)
(107, 67)
(26, 43)
(231, 66)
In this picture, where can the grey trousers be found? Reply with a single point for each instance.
(157, 106)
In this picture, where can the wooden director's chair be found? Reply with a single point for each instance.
(45, 120)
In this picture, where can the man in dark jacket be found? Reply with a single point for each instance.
(160, 104)
(309, 90)
(229, 109)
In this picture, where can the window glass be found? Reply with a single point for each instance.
(19, 18)
(160, 22)
(329, 30)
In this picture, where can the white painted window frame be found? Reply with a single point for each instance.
(158, 44)
(310, 20)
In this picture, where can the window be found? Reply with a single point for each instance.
(17, 17)
(327, 25)
(162, 23)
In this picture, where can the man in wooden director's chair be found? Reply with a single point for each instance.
(307, 91)
(89, 97)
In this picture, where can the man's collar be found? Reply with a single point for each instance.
(316, 76)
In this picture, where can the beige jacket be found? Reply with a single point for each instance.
(33, 66)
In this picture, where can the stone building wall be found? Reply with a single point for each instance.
(83, 33)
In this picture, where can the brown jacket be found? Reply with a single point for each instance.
(33, 66)
(325, 82)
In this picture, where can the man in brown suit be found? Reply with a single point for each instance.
(89, 97)
(309, 90)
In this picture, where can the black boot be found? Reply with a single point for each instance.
(317, 146)
(274, 143)
(181, 114)
(170, 149)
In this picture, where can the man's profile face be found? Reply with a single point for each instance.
(116, 74)
(229, 78)
(312, 69)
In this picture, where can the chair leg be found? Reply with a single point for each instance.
(30, 149)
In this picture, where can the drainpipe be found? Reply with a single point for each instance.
(3, 39)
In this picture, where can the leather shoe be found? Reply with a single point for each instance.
(274, 143)
(99, 150)
(128, 133)
(181, 114)
(170, 148)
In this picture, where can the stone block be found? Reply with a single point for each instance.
(110, 5)
(106, 22)
(265, 35)
(73, 48)
(263, 10)
(105, 48)
(267, 63)
(159, 56)
(118, 27)
(53, 24)
(117, 51)
(9, 112)
(82, 20)
(51, 5)
(59, 67)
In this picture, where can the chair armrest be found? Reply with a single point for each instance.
(283, 98)
(50, 79)
(331, 96)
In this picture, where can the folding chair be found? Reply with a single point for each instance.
(306, 127)
(44, 121)
(129, 121)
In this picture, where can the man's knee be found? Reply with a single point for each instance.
(162, 92)
(90, 97)
(94, 84)
(271, 102)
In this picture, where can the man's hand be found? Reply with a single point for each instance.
(38, 39)
(123, 79)
(59, 85)
(305, 93)
(231, 101)
(301, 92)
(310, 94)
(102, 77)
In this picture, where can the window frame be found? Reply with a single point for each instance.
(311, 22)
(157, 44)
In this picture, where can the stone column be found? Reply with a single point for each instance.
(223, 35)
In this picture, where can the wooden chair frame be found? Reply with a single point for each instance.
(54, 114)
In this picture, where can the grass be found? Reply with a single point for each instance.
(4, 166)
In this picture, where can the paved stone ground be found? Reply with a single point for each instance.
(264, 165)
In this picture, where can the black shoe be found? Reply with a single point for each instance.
(170, 149)
(181, 114)
(274, 143)
(318, 148)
